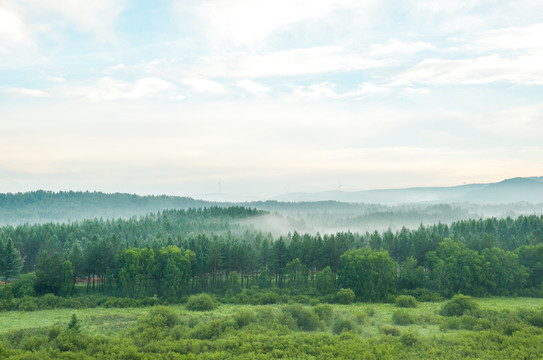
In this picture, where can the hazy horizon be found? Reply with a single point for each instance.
(265, 98)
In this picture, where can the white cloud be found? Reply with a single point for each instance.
(367, 89)
(97, 16)
(513, 38)
(146, 87)
(108, 88)
(303, 61)
(327, 90)
(204, 85)
(12, 28)
(397, 47)
(525, 69)
(27, 92)
(515, 123)
(448, 7)
(252, 87)
(246, 22)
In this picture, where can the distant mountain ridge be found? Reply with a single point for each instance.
(519, 189)
(47, 206)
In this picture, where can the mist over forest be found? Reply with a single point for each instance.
(283, 217)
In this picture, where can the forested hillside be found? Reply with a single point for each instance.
(174, 253)
(47, 206)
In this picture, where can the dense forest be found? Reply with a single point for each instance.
(174, 253)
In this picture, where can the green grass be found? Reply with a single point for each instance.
(95, 320)
(370, 318)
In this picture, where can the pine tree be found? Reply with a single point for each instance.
(11, 263)
(74, 324)
(2, 256)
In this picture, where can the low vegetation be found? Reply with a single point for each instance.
(496, 328)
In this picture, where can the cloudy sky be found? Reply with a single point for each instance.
(268, 97)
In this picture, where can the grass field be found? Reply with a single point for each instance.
(371, 317)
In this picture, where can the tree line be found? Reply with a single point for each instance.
(175, 253)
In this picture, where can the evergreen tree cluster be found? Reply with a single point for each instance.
(174, 253)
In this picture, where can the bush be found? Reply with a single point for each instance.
(406, 301)
(345, 296)
(458, 305)
(305, 318)
(343, 324)
(409, 339)
(244, 317)
(171, 318)
(403, 317)
(210, 330)
(390, 330)
(324, 312)
(28, 304)
(424, 295)
(267, 298)
(24, 285)
(200, 302)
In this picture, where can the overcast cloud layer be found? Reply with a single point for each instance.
(267, 97)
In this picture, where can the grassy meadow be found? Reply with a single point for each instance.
(498, 328)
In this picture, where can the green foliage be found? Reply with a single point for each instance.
(49, 274)
(324, 311)
(244, 317)
(390, 330)
(406, 301)
(233, 282)
(264, 278)
(458, 306)
(171, 317)
(74, 324)
(403, 317)
(24, 285)
(305, 317)
(11, 262)
(342, 324)
(325, 281)
(200, 302)
(345, 296)
(370, 274)
(210, 330)
(409, 339)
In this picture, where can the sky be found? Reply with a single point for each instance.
(261, 98)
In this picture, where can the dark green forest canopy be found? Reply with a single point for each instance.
(206, 246)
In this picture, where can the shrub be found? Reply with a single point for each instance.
(200, 302)
(390, 330)
(409, 339)
(343, 324)
(24, 285)
(361, 316)
(171, 318)
(210, 330)
(406, 301)
(267, 298)
(28, 304)
(305, 318)
(403, 317)
(458, 305)
(244, 317)
(532, 317)
(324, 312)
(345, 296)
